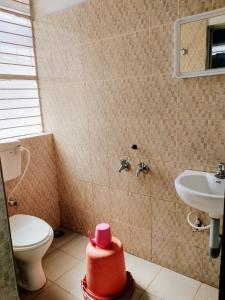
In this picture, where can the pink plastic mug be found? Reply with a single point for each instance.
(103, 237)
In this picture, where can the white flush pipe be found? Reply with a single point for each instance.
(20, 148)
(198, 228)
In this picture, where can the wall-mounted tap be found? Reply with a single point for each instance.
(125, 166)
(142, 167)
(221, 171)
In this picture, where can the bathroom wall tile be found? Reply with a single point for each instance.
(189, 261)
(216, 106)
(163, 140)
(211, 270)
(99, 168)
(162, 12)
(117, 136)
(139, 134)
(117, 180)
(122, 231)
(141, 242)
(216, 133)
(97, 105)
(91, 29)
(120, 202)
(192, 7)
(161, 50)
(92, 55)
(114, 58)
(164, 251)
(112, 17)
(194, 98)
(98, 134)
(40, 182)
(114, 93)
(218, 4)
(136, 15)
(139, 210)
(137, 98)
(192, 141)
(163, 176)
(163, 219)
(137, 53)
(102, 203)
(183, 230)
(139, 185)
(163, 91)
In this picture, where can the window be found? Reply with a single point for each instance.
(19, 98)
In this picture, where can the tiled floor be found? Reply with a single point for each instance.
(64, 266)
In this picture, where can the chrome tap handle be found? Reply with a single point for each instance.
(142, 167)
(125, 165)
(221, 171)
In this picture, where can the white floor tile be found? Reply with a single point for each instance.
(148, 296)
(27, 295)
(54, 293)
(143, 271)
(68, 236)
(207, 292)
(76, 247)
(71, 281)
(57, 263)
(169, 285)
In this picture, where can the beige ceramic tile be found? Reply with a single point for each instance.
(76, 247)
(102, 203)
(54, 293)
(137, 53)
(27, 295)
(70, 281)
(112, 17)
(169, 285)
(136, 16)
(216, 133)
(192, 141)
(207, 292)
(192, 7)
(164, 252)
(117, 180)
(189, 260)
(163, 219)
(211, 270)
(218, 4)
(68, 235)
(162, 12)
(143, 271)
(148, 296)
(58, 263)
(163, 140)
(141, 242)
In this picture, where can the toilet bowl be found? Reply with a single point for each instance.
(31, 238)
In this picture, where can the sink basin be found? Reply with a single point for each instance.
(203, 191)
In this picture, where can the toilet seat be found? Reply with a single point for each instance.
(28, 232)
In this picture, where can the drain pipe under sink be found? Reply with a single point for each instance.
(214, 238)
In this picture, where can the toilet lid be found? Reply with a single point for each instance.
(28, 230)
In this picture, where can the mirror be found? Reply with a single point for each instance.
(200, 45)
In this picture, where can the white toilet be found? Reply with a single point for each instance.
(31, 238)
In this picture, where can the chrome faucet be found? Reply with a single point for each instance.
(125, 166)
(142, 167)
(221, 171)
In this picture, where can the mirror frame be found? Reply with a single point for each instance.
(177, 44)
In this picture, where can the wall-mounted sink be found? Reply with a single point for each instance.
(203, 191)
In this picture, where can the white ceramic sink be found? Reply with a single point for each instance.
(203, 191)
